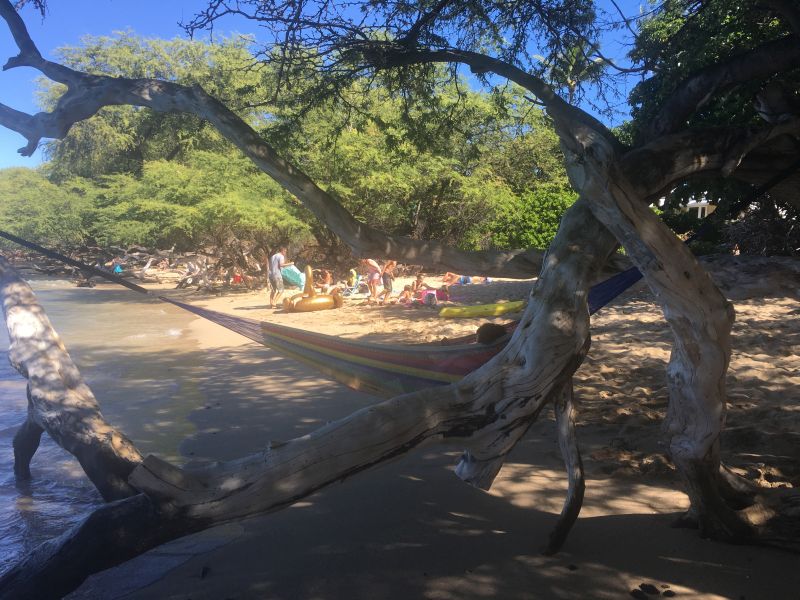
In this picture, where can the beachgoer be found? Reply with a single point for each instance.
(456, 279)
(276, 263)
(387, 275)
(419, 284)
(450, 278)
(406, 296)
(373, 277)
(325, 282)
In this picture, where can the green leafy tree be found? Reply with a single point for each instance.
(33, 208)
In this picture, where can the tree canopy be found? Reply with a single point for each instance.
(169, 179)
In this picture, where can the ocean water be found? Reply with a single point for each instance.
(136, 354)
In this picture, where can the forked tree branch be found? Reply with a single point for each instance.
(86, 94)
(59, 401)
(484, 411)
(698, 90)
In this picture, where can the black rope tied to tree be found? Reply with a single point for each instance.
(74, 263)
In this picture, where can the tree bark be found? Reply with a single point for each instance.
(26, 442)
(60, 402)
(488, 411)
(700, 318)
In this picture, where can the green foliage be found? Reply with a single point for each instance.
(683, 37)
(532, 223)
(120, 139)
(208, 200)
(476, 178)
(35, 209)
(431, 179)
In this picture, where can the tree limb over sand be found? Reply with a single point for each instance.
(86, 94)
(488, 411)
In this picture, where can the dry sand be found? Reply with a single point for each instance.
(411, 529)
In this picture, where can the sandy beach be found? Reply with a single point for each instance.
(411, 529)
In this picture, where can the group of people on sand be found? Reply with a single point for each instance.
(419, 291)
(375, 276)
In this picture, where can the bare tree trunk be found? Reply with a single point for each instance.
(26, 442)
(59, 401)
(700, 318)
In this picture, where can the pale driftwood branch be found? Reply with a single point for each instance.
(700, 318)
(483, 411)
(87, 94)
(568, 443)
(59, 401)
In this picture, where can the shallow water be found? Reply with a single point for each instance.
(134, 353)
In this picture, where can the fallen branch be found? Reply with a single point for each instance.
(59, 401)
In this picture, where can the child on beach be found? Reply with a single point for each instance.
(373, 277)
(406, 296)
(387, 275)
(419, 284)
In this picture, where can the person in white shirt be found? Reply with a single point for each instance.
(276, 263)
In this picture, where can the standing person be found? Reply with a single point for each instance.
(276, 263)
(373, 277)
(387, 275)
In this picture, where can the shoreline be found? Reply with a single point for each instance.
(410, 529)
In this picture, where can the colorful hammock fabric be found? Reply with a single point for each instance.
(384, 370)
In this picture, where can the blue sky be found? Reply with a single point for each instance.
(66, 22)
(69, 20)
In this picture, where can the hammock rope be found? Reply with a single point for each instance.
(384, 369)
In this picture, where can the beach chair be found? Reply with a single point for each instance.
(358, 286)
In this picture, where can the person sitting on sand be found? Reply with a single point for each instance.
(419, 284)
(406, 296)
(325, 281)
(387, 276)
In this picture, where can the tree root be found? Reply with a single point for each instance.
(745, 513)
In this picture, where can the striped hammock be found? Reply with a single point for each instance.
(383, 370)
(387, 370)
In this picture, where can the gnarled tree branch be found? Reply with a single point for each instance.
(87, 94)
(696, 91)
(59, 401)
(484, 411)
